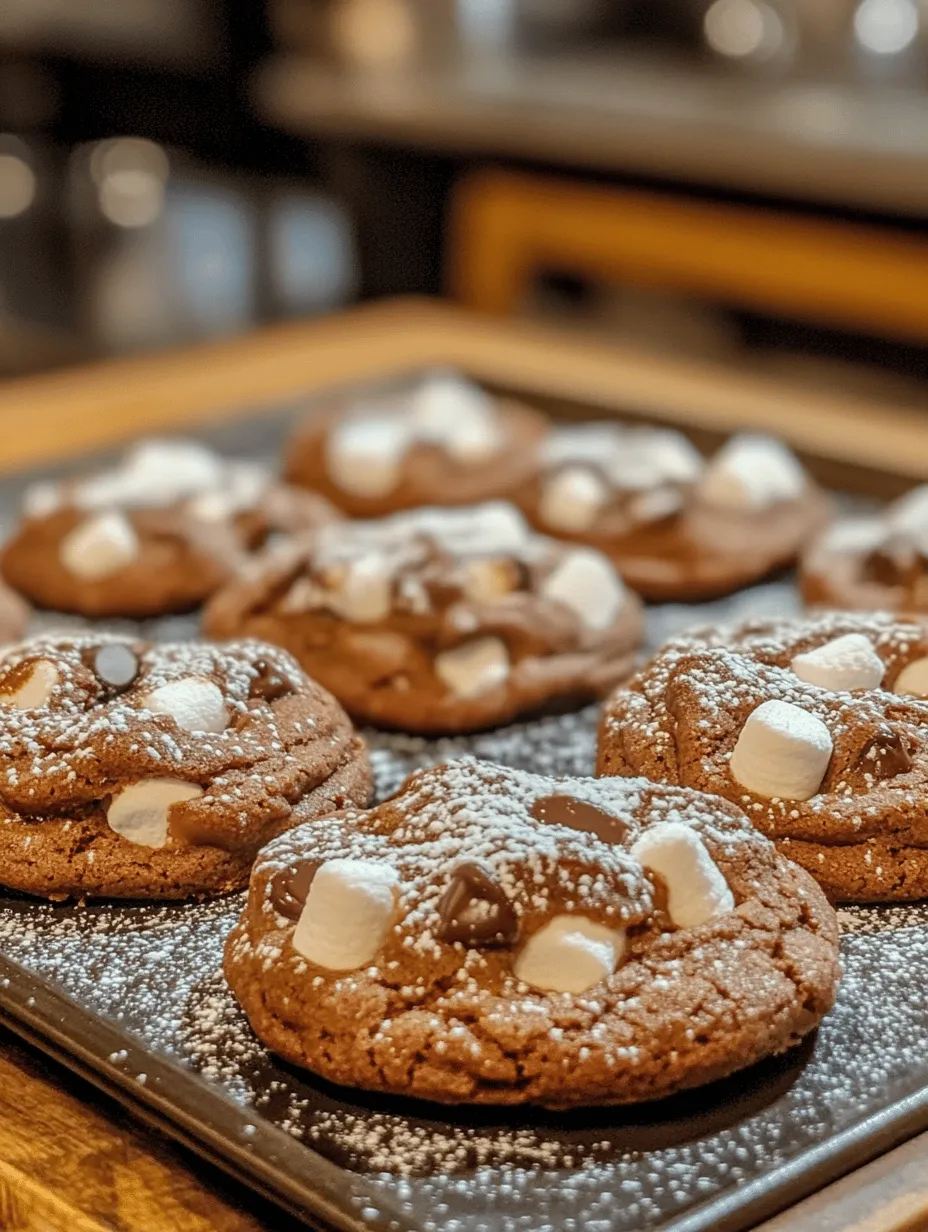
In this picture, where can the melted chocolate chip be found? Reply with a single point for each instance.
(115, 666)
(269, 684)
(578, 815)
(475, 910)
(289, 889)
(885, 755)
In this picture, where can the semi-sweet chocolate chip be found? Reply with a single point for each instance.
(475, 910)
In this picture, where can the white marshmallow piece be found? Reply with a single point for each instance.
(696, 888)
(458, 415)
(41, 499)
(913, 679)
(782, 753)
(195, 705)
(348, 911)
(365, 593)
(140, 812)
(587, 583)
(364, 454)
(155, 473)
(473, 668)
(752, 473)
(242, 487)
(487, 579)
(853, 535)
(843, 664)
(909, 514)
(571, 499)
(570, 954)
(99, 547)
(36, 690)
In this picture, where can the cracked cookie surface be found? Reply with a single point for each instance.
(158, 771)
(156, 534)
(838, 775)
(463, 882)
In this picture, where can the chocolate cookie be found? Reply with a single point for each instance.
(676, 527)
(876, 563)
(491, 936)
(817, 728)
(443, 442)
(157, 534)
(138, 771)
(440, 620)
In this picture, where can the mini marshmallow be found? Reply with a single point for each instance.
(473, 668)
(844, 664)
(909, 514)
(854, 535)
(365, 594)
(195, 705)
(696, 888)
(348, 911)
(242, 488)
(570, 954)
(457, 415)
(99, 546)
(140, 812)
(571, 499)
(752, 472)
(153, 474)
(364, 454)
(652, 457)
(169, 470)
(783, 752)
(486, 579)
(913, 679)
(35, 691)
(587, 583)
(41, 499)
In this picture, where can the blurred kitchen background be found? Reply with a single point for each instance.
(739, 180)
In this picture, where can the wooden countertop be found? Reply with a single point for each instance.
(829, 143)
(72, 1159)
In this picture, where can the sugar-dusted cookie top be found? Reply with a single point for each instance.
(816, 727)
(154, 534)
(440, 441)
(440, 619)
(499, 936)
(676, 525)
(878, 562)
(122, 763)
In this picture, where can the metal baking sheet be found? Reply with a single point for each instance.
(132, 996)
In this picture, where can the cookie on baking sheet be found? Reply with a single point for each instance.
(444, 441)
(677, 528)
(440, 620)
(818, 728)
(876, 563)
(497, 937)
(158, 771)
(157, 534)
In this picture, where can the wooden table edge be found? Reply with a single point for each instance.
(43, 418)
